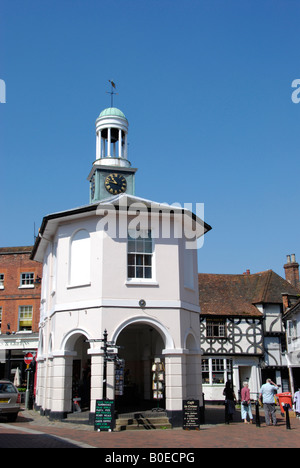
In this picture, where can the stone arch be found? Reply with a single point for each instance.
(191, 343)
(78, 367)
(70, 339)
(161, 329)
(143, 340)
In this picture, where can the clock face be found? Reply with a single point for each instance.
(115, 183)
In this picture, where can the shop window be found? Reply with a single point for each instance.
(216, 371)
(218, 374)
(205, 371)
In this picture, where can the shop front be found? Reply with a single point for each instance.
(13, 349)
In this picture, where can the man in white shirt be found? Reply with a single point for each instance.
(266, 394)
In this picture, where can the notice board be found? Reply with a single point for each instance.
(191, 415)
(104, 415)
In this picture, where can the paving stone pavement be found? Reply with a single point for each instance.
(34, 431)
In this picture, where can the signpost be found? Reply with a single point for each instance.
(105, 408)
(191, 415)
(105, 415)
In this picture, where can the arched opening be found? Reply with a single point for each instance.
(192, 367)
(141, 345)
(77, 346)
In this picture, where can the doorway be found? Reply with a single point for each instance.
(141, 345)
(81, 374)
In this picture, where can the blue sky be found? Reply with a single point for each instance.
(206, 87)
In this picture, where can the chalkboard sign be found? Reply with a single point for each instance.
(105, 415)
(191, 414)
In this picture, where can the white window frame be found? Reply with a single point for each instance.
(221, 326)
(291, 330)
(140, 250)
(21, 311)
(2, 277)
(208, 366)
(26, 282)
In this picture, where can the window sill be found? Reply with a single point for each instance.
(73, 286)
(27, 286)
(141, 282)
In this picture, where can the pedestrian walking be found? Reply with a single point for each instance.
(246, 404)
(230, 400)
(267, 395)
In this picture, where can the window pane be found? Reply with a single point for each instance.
(131, 259)
(205, 377)
(131, 272)
(218, 378)
(148, 246)
(148, 272)
(205, 365)
(139, 260)
(139, 246)
(139, 272)
(131, 246)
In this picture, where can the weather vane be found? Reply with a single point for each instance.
(112, 93)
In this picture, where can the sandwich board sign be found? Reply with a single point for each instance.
(104, 415)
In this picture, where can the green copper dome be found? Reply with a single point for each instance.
(112, 111)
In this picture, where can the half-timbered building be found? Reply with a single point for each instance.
(242, 334)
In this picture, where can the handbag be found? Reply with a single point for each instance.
(245, 403)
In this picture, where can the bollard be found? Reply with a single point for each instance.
(287, 416)
(257, 417)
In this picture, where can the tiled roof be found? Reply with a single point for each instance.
(237, 294)
(15, 250)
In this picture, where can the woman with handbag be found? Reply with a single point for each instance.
(246, 403)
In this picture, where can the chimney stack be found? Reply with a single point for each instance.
(292, 271)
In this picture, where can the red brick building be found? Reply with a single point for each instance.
(20, 294)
